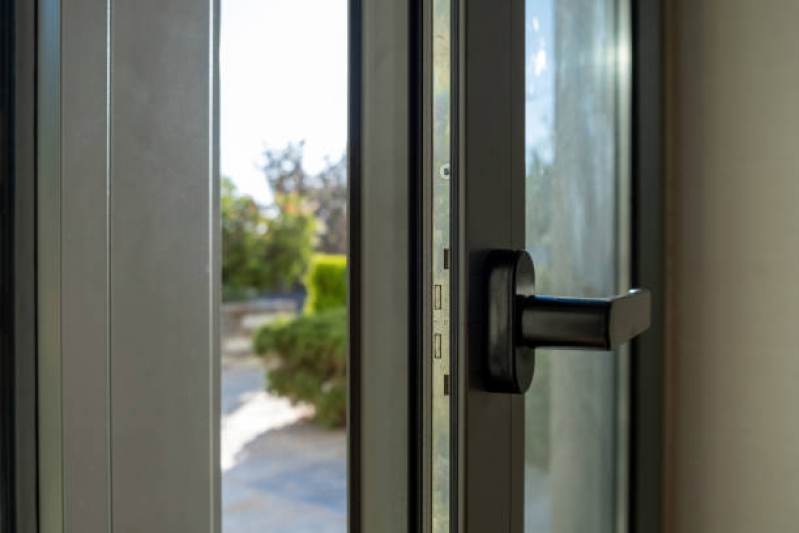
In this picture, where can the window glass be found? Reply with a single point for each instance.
(572, 228)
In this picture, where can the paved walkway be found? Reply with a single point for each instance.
(283, 474)
(280, 472)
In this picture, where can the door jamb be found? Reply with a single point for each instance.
(18, 424)
(384, 278)
(647, 407)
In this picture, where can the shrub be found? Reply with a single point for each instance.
(326, 283)
(311, 355)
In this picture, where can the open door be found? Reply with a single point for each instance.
(540, 199)
(490, 205)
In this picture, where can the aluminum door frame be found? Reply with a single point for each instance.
(648, 508)
(490, 214)
(17, 316)
(385, 434)
(488, 191)
(127, 265)
(384, 450)
(19, 483)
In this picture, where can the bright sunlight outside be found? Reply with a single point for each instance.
(283, 121)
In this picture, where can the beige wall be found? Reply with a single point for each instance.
(734, 109)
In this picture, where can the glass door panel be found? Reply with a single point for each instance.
(574, 182)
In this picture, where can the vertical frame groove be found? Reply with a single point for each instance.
(48, 138)
(355, 55)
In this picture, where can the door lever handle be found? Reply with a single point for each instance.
(600, 323)
(519, 321)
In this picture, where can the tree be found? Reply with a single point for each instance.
(263, 251)
(242, 229)
(288, 247)
(325, 192)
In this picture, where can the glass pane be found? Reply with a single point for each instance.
(283, 133)
(572, 228)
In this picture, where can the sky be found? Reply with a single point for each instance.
(540, 80)
(283, 78)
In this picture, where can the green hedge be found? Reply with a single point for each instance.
(311, 352)
(326, 283)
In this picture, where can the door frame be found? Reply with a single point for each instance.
(18, 388)
(488, 196)
(28, 121)
(648, 407)
(642, 498)
(7, 270)
(385, 255)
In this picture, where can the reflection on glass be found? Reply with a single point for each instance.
(571, 231)
(283, 120)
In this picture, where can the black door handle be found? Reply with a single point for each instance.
(519, 321)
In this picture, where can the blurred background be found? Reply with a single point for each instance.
(283, 134)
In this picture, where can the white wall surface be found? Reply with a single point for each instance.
(735, 236)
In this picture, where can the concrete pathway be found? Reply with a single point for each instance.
(280, 472)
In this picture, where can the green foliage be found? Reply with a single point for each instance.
(326, 283)
(242, 229)
(311, 350)
(288, 249)
(263, 251)
(311, 356)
